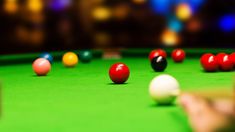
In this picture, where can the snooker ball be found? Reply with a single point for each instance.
(225, 63)
(159, 63)
(163, 89)
(209, 62)
(85, 56)
(47, 56)
(178, 55)
(70, 59)
(41, 66)
(119, 73)
(220, 56)
(232, 57)
(157, 52)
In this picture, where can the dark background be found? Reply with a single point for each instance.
(137, 26)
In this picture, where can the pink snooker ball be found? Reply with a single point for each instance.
(41, 66)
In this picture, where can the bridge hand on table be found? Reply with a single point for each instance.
(208, 116)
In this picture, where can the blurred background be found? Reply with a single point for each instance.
(51, 25)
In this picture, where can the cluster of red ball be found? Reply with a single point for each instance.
(178, 55)
(221, 61)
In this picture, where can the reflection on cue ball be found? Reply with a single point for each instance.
(164, 89)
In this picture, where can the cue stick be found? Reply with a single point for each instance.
(215, 94)
(219, 93)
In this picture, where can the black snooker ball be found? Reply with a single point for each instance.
(85, 56)
(159, 63)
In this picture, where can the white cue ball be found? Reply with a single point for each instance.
(164, 89)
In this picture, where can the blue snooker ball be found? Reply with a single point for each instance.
(47, 56)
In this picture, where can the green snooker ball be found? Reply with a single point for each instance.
(85, 56)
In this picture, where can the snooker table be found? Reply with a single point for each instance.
(84, 98)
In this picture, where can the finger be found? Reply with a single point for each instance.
(195, 106)
(225, 106)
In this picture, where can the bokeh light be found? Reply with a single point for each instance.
(139, 1)
(121, 11)
(10, 6)
(29, 37)
(183, 11)
(175, 25)
(170, 38)
(36, 37)
(118, 22)
(194, 25)
(227, 23)
(194, 4)
(22, 34)
(35, 5)
(58, 5)
(101, 13)
(160, 6)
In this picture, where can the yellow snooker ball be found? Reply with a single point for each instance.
(70, 59)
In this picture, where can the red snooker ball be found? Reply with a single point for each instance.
(41, 66)
(220, 56)
(232, 57)
(119, 73)
(178, 55)
(209, 62)
(157, 52)
(225, 63)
